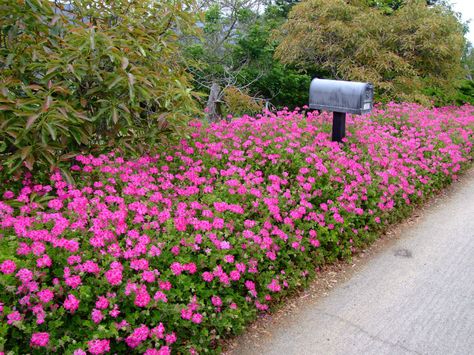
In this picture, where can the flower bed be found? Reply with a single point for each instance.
(172, 252)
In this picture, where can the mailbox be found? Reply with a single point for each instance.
(340, 97)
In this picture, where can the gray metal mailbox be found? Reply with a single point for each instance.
(340, 97)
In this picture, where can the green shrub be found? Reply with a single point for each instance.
(89, 74)
(463, 94)
(238, 102)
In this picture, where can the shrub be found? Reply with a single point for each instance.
(177, 250)
(86, 73)
(464, 94)
(238, 102)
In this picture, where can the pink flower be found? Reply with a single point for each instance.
(45, 295)
(98, 346)
(79, 352)
(55, 204)
(8, 195)
(102, 303)
(197, 318)
(240, 267)
(142, 297)
(229, 258)
(250, 285)
(44, 261)
(138, 336)
(170, 338)
(158, 331)
(164, 350)
(38, 248)
(97, 316)
(91, 267)
(39, 339)
(160, 296)
(13, 317)
(74, 281)
(216, 301)
(122, 325)
(24, 275)
(148, 276)
(207, 276)
(315, 243)
(71, 303)
(8, 267)
(176, 268)
(274, 286)
(165, 285)
(191, 268)
(114, 313)
(139, 264)
(114, 276)
(234, 275)
(186, 313)
(225, 245)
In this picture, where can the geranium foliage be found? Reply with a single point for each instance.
(169, 253)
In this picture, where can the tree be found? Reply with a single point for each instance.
(215, 68)
(79, 73)
(389, 6)
(234, 58)
(420, 46)
(282, 84)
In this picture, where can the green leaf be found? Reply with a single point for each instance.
(51, 130)
(115, 82)
(31, 120)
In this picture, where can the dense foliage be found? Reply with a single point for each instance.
(236, 49)
(404, 53)
(74, 74)
(416, 58)
(82, 75)
(169, 253)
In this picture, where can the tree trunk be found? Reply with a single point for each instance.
(213, 109)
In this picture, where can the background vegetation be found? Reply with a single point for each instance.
(83, 74)
(402, 52)
(88, 75)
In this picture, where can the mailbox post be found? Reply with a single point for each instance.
(338, 126)
(340, 97)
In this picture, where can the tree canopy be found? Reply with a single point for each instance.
(418, 47)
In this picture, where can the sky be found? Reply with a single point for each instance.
(466, 8)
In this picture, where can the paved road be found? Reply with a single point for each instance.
(415, 297)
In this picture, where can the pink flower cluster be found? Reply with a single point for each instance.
(212, 229)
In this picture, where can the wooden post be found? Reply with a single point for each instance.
(213, 107)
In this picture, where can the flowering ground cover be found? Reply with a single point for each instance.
(169, 253)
